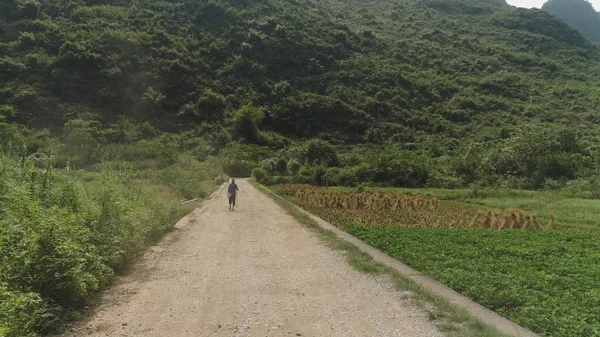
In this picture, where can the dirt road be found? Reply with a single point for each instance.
(252, 272)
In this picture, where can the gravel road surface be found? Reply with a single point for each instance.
(252, 272)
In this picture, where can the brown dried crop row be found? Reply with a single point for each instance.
(377, 209)
(291, 189)
(511, 219)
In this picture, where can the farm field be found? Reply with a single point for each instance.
(543, 278)
(571, 209)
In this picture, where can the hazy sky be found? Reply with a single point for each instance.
(539, 3)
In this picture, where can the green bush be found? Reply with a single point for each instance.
(246, 122)
(237, 168)
(269, 165)
(305, 175)
(345, 177)
(82, 142)
(209, 108)
(281, 166)
(22, 313)
(261, 175)
(294, 166)
(319, 152)
(400, 170)
(156, 153)
(220, 180)
(319, 176)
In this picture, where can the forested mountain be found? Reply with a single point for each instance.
(579, 14)
(440, 79)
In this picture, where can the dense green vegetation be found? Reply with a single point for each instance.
(457, 90)
(578, 13)
(543, 280)
(64, 232)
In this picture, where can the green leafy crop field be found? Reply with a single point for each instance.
(544, 280)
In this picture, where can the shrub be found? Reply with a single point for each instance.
(82, 141)
(182, 180)
(308, 115)
(294, 166)
(319, 176)
(246, 123)
(237, 168)
(344, 177)
(21, 313)
(305, 175)
(220, 180)
(319, 152)
(209, 108)
(154, 153)
(269, 165)
(363, 173)
(260, 175)
(281, 166)
(398, 170)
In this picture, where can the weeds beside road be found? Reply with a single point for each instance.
(64, 233)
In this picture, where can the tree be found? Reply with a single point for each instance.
(209, 108)
(212, 106)
(260, 175)
(281, 166)
(246, 123)
(83, 140)
(319, 152)
(19, 9)
(269, 165)
(294, 166)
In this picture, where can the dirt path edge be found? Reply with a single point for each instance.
(478, 311)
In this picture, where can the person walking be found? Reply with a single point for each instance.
(231, 194)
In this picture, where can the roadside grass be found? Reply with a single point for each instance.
(450, 319)
(65, 233)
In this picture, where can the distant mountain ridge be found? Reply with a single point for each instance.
(580, 14)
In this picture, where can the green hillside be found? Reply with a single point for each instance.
(578, 13)
(434, 78)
